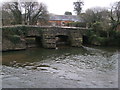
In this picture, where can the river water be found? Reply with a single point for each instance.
(86, 67)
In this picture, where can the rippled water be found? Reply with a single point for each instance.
(68, 67)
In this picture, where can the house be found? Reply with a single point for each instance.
(61, 20)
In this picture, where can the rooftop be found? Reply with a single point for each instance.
(66, 18)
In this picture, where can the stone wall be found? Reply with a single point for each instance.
(9, 45)
(13, 38)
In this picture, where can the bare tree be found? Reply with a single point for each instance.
(27, 12)
(33, 11)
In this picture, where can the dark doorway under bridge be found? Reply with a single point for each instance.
(62, 40)
(33, 41)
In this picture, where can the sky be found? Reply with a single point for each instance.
(60, 6)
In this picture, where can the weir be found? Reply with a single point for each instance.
(47, 37)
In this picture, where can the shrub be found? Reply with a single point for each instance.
(76, 24)
(103, 33)
(97, 26)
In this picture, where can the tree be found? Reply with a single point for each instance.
(78, 6)
(115, 15)
(34, 11)
(98, 19)
(13, 8)
(96, 14)
(27, 12)
(7, 18)
(68, 13)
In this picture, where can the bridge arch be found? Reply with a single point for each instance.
(33, 41)
(62, 40)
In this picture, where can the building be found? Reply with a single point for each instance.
(61, 20)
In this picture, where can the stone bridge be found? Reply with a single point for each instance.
(48, 37)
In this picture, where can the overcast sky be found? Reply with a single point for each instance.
(60, 6)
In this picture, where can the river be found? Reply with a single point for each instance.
(86, 67)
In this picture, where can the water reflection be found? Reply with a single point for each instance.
(37, 54)
(93, 58)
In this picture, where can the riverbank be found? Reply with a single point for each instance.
(23, 78)
(62, 68)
